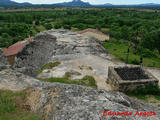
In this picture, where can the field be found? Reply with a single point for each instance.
(119, 50)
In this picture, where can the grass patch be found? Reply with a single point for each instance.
(41, 28)
(86, 81)
(48, 66)
(11, 106)
(119, 50)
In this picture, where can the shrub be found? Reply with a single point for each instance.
(134, 61)
(67, 27)
(37, 22)
(147, 53)
(48, 26)
(148, 90)
(57, 26)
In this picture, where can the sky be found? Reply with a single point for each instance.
(92, 1)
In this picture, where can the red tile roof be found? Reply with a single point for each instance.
(15, 48)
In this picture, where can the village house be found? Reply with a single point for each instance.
(95, 33)
(14, 49)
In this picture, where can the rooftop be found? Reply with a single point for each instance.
(15, 48)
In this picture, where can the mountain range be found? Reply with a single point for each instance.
(12, 3)
(75, 3)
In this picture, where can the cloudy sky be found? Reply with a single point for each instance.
(92, 1)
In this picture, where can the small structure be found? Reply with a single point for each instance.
(14, 49)
(129, 78)
(94, 33)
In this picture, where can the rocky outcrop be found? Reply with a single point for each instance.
(49, 44)
(35, 54)
(54, 101)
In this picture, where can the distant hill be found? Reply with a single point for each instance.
(74, 3)
(12, 3)
(78, 3)
(7, 2)
(149, 4)
(105, 5)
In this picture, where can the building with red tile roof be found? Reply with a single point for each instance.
(14, 49)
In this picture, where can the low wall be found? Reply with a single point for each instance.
(122, 85)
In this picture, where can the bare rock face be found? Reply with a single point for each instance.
(72, 102)
(55, 101)
(53, 43)
(35, 54)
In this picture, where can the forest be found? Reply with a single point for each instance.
(137, 30)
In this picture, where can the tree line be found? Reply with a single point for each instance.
(141, 29)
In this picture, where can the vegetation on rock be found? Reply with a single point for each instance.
(12, 106)
(48, 66)
(86, 80)
(147, 93)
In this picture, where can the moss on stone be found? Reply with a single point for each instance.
(48, 66)
(86, 80)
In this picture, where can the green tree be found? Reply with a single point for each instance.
(125, 32)
(57, 26)
(37, 22)
(5, 40)
(48, 26)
